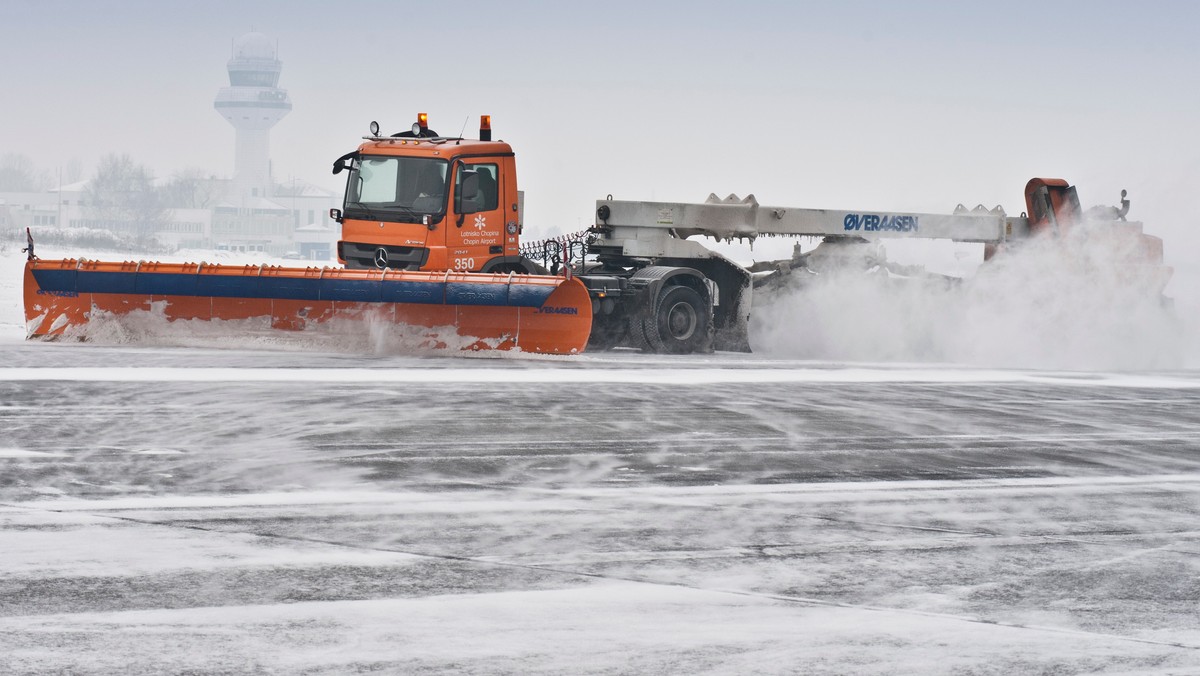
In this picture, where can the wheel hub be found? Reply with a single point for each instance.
(681, 321)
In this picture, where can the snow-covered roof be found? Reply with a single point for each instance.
(77, 186)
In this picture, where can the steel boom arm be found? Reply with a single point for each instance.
(746, 219)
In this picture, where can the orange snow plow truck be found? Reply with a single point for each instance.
(430, 239)
(431, 229)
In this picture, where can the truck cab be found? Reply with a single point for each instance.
(419, 201)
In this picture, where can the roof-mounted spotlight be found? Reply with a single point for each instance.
(374, 128)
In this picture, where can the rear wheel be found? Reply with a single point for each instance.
(680, 324)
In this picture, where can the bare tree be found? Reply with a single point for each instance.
(191, 189)
(72, 172)
(121, 196)
(19, 174)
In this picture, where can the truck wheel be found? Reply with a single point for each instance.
(680, 325)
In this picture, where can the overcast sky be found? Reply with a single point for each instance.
(866, 105)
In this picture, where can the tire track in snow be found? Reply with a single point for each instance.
(566, 571)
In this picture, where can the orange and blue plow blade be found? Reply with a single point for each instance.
(531, 313)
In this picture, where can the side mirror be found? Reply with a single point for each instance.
(336, 214)
(339, 165)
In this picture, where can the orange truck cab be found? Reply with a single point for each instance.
(419, 201)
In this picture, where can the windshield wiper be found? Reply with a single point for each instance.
(389, 208)
(366, 209)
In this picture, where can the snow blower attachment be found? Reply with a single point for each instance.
(431, 232)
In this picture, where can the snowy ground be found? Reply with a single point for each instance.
(216, 510)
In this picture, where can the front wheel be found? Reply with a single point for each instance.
(680, 323)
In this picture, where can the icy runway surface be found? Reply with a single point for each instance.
(234, 511)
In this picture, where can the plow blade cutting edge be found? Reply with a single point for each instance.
(532, 313)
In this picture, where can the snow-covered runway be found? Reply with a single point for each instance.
(170, 510)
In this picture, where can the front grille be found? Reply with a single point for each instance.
(360, 256)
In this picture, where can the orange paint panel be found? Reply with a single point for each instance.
(240, 308)
(186, 307)
(554, 328)
(290, 315)
(496, 327)
(425, 315)
(48, 314)
(317, 311)
(118, 304)
(360, 312)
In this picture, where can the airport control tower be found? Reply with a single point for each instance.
(253, 103)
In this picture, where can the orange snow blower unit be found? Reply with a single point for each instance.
(430, 239)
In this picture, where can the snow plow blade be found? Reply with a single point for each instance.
(531, 313)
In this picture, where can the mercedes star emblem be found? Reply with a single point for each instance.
(381, 258)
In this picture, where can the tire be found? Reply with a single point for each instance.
(637, 335)
(680, 324)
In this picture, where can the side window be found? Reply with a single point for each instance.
(489, 185)
(478, 188)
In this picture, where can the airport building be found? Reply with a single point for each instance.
(251, 211)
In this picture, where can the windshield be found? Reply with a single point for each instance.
(402, 189)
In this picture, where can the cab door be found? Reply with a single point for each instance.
(476, 230)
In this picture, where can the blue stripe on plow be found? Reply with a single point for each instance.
(294, 288)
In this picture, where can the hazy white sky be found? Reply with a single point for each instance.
(912, 105)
